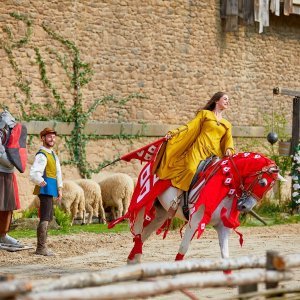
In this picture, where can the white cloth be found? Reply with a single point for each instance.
(261, 13)
(39, 165)
(275, 7)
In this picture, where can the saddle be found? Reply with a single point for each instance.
(203, 165)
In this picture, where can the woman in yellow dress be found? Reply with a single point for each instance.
(207, 134)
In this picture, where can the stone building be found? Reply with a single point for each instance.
(176, 54)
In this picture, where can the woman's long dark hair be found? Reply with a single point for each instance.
(211, 104)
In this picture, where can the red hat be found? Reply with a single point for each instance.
(46, 131)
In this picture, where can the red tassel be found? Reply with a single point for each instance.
(179, 256)
(227, 272)
(241, 240)
(137, 248)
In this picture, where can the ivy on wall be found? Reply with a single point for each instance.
(79, 74)
(10, 44)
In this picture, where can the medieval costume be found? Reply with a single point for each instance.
(202, 137)
(46, 174)
(9, 158)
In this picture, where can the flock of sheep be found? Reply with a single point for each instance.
(86, 196)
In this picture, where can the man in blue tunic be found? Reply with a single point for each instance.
(46, 174)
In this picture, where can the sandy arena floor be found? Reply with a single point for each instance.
(93, 252)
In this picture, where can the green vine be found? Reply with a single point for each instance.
(9, 45)
(79, 74)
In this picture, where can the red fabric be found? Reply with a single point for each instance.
(165, 227)
(137, 248)
(224, 181)
(228, 181)
(146, 153)
(16, 192)
(16, 147)
(148, 187)
(179, 256)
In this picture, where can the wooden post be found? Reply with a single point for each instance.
(296, 124)
(270, 266)
(296, 117)
(272, 257)
(296, 114)
(248, 288)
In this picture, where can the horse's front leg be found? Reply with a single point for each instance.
(223, 235)
(189, 234)
(136, 252)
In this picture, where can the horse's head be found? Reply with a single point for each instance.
(257, 176)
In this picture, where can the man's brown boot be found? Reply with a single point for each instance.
(41, 248)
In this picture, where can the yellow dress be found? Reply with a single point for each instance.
(200, 138)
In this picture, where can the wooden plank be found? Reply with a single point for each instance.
(14, 287)
(287, 92)
(147, 130)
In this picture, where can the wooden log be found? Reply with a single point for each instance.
(14, 287)
(271, 256)
(287, 92)
(162, 286)
(283, 262)
(271, 292)
(146, 270)
(5, 277)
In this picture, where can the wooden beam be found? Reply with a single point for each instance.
(296, 124)
(284, 91)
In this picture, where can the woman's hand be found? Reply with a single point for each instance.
(229, 152)
(59, 198)
(168, 136)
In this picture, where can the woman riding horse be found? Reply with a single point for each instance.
(206, 135)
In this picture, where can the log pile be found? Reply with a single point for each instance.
(152, 279)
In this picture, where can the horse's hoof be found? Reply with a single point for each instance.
(136, 260)
(179, 256)
(131, 262)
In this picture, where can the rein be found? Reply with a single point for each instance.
(258, 174)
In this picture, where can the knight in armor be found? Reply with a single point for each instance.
(9, 196)
(47, 176)
(206, 135)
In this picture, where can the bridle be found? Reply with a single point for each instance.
(258, 179)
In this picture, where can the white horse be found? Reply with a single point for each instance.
(226, 188)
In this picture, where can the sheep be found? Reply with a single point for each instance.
(117, 190)
(35, 203)
(73, 201)
(93, 198)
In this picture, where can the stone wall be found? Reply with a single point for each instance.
(173, 52)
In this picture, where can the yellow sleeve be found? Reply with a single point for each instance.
(227, 141)
(182, 140)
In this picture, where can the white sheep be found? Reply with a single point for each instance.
(117, 190)
(93, 198)
(35, 203)
(73, 200)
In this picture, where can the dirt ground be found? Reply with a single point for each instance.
(93, 252)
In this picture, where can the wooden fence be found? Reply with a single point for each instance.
(154, 279)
